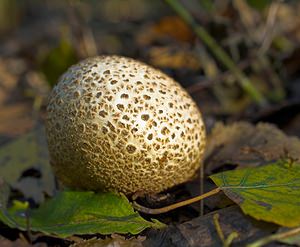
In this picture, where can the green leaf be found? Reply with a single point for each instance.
(76, 212)
(270, 193)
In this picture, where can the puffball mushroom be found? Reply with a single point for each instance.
(117, 124)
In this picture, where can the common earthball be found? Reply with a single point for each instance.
(117, 124)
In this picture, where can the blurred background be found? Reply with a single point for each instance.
(239, 59)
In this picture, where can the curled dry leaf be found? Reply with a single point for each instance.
(246, 145)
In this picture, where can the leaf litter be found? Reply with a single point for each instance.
(287, 31)
(202, 230)
(75, 212)
(29, 152)
(246, 145)
(265, 186)
(251, 188)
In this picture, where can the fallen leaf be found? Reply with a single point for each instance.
(201, 231)
(28, 152)
(270, 192)
(75, 212)
(31, 187)
(168, 27)
(246, 145)
(172, 57)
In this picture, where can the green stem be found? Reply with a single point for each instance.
(218, 51)
(226, 241)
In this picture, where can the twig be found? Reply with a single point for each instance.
(218, 52)
(275, 237)
(202, 189)
(175, 205)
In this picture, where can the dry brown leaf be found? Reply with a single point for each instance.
(244, 144)
(201, 231)
(173, 57)
(168, 27)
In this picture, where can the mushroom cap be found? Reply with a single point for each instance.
(117, 124)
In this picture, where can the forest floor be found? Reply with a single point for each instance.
(239, 60)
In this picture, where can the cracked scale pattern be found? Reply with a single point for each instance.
(114, 123)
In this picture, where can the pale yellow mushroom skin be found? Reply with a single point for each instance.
(117, 124)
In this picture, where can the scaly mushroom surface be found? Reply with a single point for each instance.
(117, 124)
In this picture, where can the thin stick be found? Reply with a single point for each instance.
(218, 51)
(275, 237)
(202, 190)
(175, 205)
